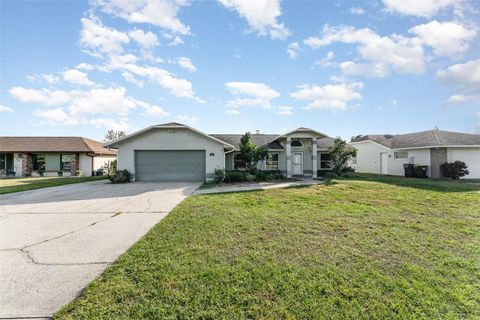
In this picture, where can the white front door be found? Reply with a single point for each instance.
(384, 163)
(297, 163)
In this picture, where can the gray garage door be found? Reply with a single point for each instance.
(163, 165)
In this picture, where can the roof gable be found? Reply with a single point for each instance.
(53, 144)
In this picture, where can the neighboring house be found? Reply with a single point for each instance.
(386, 154)
(177, 152)
(25, 156)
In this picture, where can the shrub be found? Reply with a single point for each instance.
(60, 173)
(340, 153)
(41, 172)
(111, 167)
(121, 176)
(454, 170)
(218, 175)
(79, 173)
(235, 176)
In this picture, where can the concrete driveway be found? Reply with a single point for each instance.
(54, 241)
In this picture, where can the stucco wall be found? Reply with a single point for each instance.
(181, 139)
(102, 161)
(17, 165)
(471, 156)
(85, 164)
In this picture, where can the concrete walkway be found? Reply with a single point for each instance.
(238, 187)
(54, 241)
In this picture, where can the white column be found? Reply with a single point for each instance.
(314, 157)
(289, 157)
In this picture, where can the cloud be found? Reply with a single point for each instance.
(155, 111)
(4, 108)
(232, 111)
(43, 96)
(293, 49)
(161, 13)
(186, 63)
(130, 78)
(284, 110)
(446, 38)
(251, 94)
(423, 8)
(84, 66)
(186, 119)
(56, 117)
(77, 77)
(98, 39)
(109, 123)
(369, 70)
(356, 11)
(402, 54)
(261, 16)
(465, 77)
(333, 97)
(327, 61)
(146, 40)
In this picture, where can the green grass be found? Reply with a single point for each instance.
(10, 185)
(366, 248)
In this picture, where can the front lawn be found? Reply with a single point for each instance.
(10, 185)
(367, 248)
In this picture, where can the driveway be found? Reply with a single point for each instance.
(54, 241)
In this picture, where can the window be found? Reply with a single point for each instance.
(238, 162)
(6, 162)
(296, 143)
(65, 162)
(401, 155)
(272, 161)
(38, 162)
(324, 161)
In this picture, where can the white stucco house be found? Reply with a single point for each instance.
(386, 154)
(27, 156)
(176, 152)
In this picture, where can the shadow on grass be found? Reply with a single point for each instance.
(439, 185)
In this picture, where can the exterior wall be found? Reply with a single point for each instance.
(438, 156)
(85, 164)
(100, 162)
(471, 156)
(17, 165)
(180, 139)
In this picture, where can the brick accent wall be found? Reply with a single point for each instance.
(75, 158)
(27, 165)
(437, 157)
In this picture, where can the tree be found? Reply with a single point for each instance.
(340, 154)
(250, 153)
(454, 170)
(113, 135)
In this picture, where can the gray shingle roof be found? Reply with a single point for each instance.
(430, 138)
(53, 144)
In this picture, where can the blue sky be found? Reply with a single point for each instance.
(228, 66)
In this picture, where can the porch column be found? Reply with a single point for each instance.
(289, 157)
(314, 157)
(74, 164)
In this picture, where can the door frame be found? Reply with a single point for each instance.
(293, 165)
(383, 154)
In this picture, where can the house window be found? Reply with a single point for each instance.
(38, 162)
(6, 162)
(296, 143)
(401, 155)
(272, 161)
(238, 162)
(65, 162)
(324, 161)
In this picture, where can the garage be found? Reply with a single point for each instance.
(170, 165)
(470, 156)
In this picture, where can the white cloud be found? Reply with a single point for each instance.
(43, 96)
(284, 110)
(130, 78)
(333, 97)
(356, 10)
(369, 70)
(4, 108)
(261, 16)
(109, 123)
(161, 13)
(402, 54)
(50, 78)
(446, 38)
(186, 119)
(99, 39)
(57, 117)
(422, 8)
(84, 66)
(293, 49)
(250, 94)
(77, 77)
(155, 111)
(146, 40)
(176, 41)
(232, 111)
(465, 77)
(327, 61)
(186, 63)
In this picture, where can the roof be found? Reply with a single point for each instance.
(423, 139)
(53, 144)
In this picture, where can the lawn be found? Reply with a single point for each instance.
(368, 248)
(10, 185)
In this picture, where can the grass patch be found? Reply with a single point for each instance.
(364, 248)
(10, 185)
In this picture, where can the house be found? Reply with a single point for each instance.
(25, 156)
(386, 154)
(176, 152)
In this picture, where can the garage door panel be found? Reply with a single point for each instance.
(170, 165)
(471, 158)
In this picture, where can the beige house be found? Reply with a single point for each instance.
(33, 156)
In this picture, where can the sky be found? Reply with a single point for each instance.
(80, 68)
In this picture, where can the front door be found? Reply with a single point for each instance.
(384, 163)
(297, 163)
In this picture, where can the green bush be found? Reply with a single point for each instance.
(218, 175)
(235, 176)
(454, 170)
(121, 176)
(60, 173)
